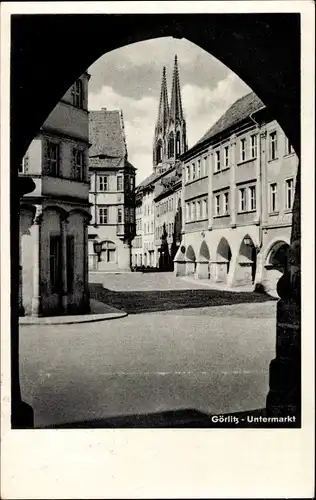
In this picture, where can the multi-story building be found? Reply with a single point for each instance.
(112, 193)
(137, 245)
(161, 190)
(238, 189)
(145, 199)
(54, 217)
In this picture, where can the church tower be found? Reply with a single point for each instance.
(160, 145)
(170, 132)
(176, 131)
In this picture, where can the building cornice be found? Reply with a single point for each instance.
(45, 130)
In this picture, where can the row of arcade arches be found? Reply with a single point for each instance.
(248, 265)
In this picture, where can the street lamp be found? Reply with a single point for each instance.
(97, 247)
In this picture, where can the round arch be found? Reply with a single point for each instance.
(190, 253)
(204, 251)
(247, 40)
(276, 241)
(223, 250)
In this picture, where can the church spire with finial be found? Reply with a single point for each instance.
(176, 112)
(163, 110)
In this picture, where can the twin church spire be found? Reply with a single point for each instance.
(170, 132)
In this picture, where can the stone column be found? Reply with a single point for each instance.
(258, 176)
(86, 267)
(63, 233)
(36, 237)
(264, 185)
(233, 166)
(210, 191)
(284, 397)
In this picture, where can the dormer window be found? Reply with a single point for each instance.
(77, 93)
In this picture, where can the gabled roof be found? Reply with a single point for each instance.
(239, 111)
(106, 134)
(148, 180)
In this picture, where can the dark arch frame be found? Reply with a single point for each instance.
(262, 49)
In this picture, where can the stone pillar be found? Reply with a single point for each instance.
(36, 236)
(258, 176)
(63, 233)
(86, 293)
(233, 164)
(284, 396)
(264, 185)
(210, 191)
(202, 271)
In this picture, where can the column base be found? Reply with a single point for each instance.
(22, 416)
(284, 396)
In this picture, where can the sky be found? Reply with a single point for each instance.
(129, 79)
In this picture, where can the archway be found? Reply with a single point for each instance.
(274, 266)
(202, 268)
(190, 261)
(246, 267)
(246, 40)
(223, 261)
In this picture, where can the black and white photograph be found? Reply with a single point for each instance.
(155, 221)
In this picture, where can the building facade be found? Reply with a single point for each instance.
(160, 192)
(54, 217)
(112, 194)
(238, 189)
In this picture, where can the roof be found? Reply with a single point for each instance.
(239, 111)
(148, 180)
(106, 133)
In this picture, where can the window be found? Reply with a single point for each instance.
(119, 183)
(252, 197)
(193, 171)
(198, 210)
(193, 212)
(273, 149)
(273, 197)
(217, 204)
(226, 156)
(187, 207)
(205, 165)
(253, 146)
(217, 161)
(119, 216)
(91, 183)
(171, 203)
(78, 164)
(77, 93)
(288, 147)
(70, 263)
(205, 206)
(55, 266)
(198, 169)
(243, 149)
(109, 248)
(171, 145)
(151, 227)
(242, 200)
(289, 193)
(53, 158)
(226, 203)
(103, 215)
(178, 143)
(188, 173)
(103, 183)
(131, 183)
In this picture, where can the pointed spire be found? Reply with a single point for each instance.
(163, 110)
(176, 112)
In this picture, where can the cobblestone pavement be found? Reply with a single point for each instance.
(213, 359)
